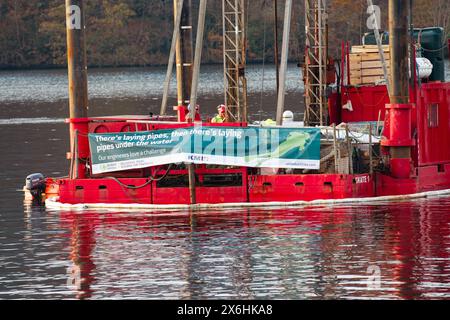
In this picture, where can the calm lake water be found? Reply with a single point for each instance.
(392, 250)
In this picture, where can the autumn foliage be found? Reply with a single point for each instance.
(138, 32)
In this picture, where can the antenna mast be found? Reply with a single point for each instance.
(234, 59)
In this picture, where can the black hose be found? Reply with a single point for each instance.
(151, 179)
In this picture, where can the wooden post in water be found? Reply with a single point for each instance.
(192, 184)
(76, 58)
(194, 89)
(284, 60)
(399, 110)
(184, 58)
(78, 85)
(398, 31)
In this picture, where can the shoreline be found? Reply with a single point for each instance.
(64, 67)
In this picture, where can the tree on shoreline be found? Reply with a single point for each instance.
(138, 32)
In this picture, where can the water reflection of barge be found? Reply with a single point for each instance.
(309, 253)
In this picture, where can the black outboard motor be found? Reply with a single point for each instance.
(35, 183)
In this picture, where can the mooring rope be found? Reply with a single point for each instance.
(151, 179)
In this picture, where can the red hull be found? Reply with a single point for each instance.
(278, 188)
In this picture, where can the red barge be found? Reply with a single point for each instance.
(406, 150)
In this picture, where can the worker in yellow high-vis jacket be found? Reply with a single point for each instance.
(222, 113)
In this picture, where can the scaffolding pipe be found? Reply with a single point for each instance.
(380, 46)
(184, 56)
(276, 53)
(175, 37)
(284, 61)
(198, 57)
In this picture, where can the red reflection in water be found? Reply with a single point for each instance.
(409, 242)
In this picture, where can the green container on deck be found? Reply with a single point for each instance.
(433, 48)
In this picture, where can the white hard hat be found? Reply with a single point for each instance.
(288, 116)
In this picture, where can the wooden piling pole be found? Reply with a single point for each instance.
(192, 183)
(194, 90)
(399, 92)
(78, 84)
(76, 58)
